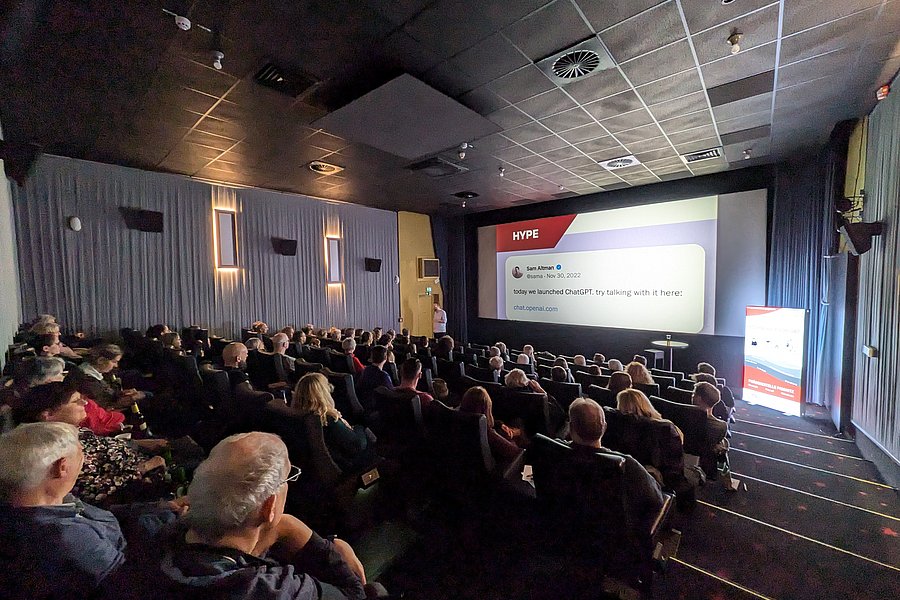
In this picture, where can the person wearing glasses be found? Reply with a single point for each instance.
(235, 540)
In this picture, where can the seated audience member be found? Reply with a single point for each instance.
(528, 350)
(373, 377)
(254, 343)
(46, 344)
(155, 332)
(234, 356)
(599, 359)
(299, 337)
(410, 374)
(350, 446)
(580, 360)
(704, 368)
(91, 378)
(111, 466)
(52, 328)
(171, 341)
(635, 402)
(53, 545)
(501, 437)
(707, 396)
(376, 332)
(444, 348)
(720, 410)
(504, 352)
(314, 342)
(595, 370)
(643, 497)
(259, 327)
(615, 364)
(619, 381)
(523, 359)
(564, 364)
(221, 547)
(559, 375)
(496, 365)
(493, 351)
(349, 348)
(518, 380)
(288, 331)
(365, 339)
(442, 392)
(640, 358)
(280, 343)
(639, 373)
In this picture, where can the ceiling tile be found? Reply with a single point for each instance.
(527, 132)
(629, 120)
(697, 146)
(582, 134)
(512, 153)
(493, 142)
(701, 15)
(649, 144)
(547, 31)
(757, 29)
(609, 153)
(614, 105)
(519, 85)
(803, 14)
(509, 117)
(690, 121)
(562, 154)
(849, 31)
(548, 103)
(546, 144)
(679, 106)
(529, 161)
(482, 100)
(739, 66)
(489, 59)
(660, 159)
(745, 122)
(825, 65)
(435, 26)
(692, 135)
(661, 63)
(602, 84)
(672, 87)
(578, 161)
(597, 144)
(448, 79)
(545, 169)
(638, 134)
(407, 53)
(569, 119)
(606, 14)
(644, 33)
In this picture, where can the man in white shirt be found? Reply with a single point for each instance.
(439, 321)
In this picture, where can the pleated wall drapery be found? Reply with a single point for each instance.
(876, 386)
(106, 276)
(450, 247)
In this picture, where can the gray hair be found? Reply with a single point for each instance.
(28, 451)
(516, 378)
(41, 369)
(349, 344)
(280, 339)
(254, 343)
(615, 365)
(496, 363)
(240, 474)
(494, 351)
(523, 359)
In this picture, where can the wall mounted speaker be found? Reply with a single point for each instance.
(18, 159)
(284, 247)
(373, 265)
(150, 221)
(859, 235)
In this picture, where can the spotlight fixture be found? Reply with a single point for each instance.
(562, 188)
(735, 40)
(747, 153)
(463, 203)
(183, 23)
(502, 172)
(461, 150)
(217, 56)
(883, 92)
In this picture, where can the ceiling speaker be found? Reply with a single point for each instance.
(284, 247)
(150, 221)
(373, 265)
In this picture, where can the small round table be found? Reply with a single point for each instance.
(671, 345)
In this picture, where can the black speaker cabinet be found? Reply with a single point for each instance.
(373, 265)
(150, 221)
(284, 247)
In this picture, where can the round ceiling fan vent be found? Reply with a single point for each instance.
(620, 163)
(323, 168)
(576, 64)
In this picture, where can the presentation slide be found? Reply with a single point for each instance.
(684, 266)
(774, 344)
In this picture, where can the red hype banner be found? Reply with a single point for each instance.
(532, 235)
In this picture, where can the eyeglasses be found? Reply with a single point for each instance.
(293, 476)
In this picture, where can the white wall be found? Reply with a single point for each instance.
(9, 273)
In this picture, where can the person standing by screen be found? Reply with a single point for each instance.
(440, 321)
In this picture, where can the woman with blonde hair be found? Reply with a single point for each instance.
(476, 400)
(639, 373)
(634, 402)
(518, 380)
(349, 446)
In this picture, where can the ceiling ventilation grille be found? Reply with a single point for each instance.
(291, 83)
(578, 62)
(619, 163)
(702, 155)
(437, 167)
(324, 168)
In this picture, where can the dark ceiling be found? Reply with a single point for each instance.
(120, 83)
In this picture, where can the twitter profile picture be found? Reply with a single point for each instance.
(517, 272)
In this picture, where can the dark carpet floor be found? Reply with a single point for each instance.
(811, 520)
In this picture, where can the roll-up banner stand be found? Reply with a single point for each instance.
(775, 358)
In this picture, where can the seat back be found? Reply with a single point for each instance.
(509, 366)
(674, 394)
(685, 384)
(301, 368)
(344, 395)
(391, 369)
(426, 382)
(340, 362)
(691, 420)
(663, 382)
(479, 373)
(677, 375)
(458, 443)
(649, 389)
(650, 442)
(363, 353)
(586, 379)
(316, 355)
(449, 371)
(531, 407)
(399, 416)
(544, 371)
(565, 393)
(602, 395)
(264, 369)
(216, 387)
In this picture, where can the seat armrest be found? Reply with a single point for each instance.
(662, 517)
(514, 468)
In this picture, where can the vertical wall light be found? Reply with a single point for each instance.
(225, 237)
(334, 263)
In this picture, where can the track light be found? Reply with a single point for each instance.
(217, 56)
(461, 150)
(747, 154)
(502, 172)
(735, 40)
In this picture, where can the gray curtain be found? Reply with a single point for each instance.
(876, 386)
(106, 276)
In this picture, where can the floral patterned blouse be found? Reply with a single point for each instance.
(110, 465)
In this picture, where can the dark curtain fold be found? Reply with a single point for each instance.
(449, 246)
(803, 236)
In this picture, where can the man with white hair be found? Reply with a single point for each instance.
(220, 548)
(51, 545)
(349, 348)
(496, 364)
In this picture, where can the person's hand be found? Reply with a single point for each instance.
(507, 431)
(179, 506)
(156, 462)
(349, 556)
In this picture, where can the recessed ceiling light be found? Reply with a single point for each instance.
(466, 195)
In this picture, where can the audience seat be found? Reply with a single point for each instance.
(340, 362)
(586, 379)
(678, 375)
(674, 394)
(400, 425)
(654, 443)
(649, 389)
(344, 395)
(602, 395)
(663, 382)
(449, 371)
(544, 371)
(691, 420)
(685, 384)
(529, 408)
(479, 373)
(564, 393)
(509, 366)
